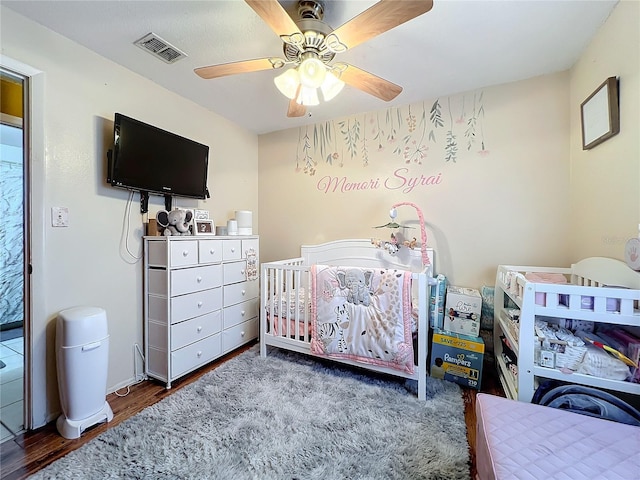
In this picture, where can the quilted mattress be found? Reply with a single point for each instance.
(524, 441)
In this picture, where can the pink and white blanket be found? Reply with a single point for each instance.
(362, 314)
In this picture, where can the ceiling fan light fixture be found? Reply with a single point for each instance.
(331, 86)
(312, 72)
(288, 83)
(308, 96)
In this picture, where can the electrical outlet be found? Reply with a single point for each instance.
(59, 217)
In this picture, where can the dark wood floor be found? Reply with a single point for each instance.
(31, 451)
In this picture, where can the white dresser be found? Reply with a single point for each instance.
(200, 300)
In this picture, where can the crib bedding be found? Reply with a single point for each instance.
(518, 441)
(286, 303)
(287, 312)
(362, 314)
(284, 306)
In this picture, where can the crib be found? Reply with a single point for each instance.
(286, 297)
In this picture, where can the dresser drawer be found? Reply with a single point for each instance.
(157, 336)
(156, 253)
(240, 313)
(249, 244)
(231, 250)
(194, 355)
(239, 292)
(189, 280)
(157, 308)
(195, 304)
(195, 329)
(184, 253)
(157, 281)
(210, 251)
(234, 272)
(239, 335)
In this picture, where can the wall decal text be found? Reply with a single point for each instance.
(399, 180)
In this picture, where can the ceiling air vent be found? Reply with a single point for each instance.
(160, 48)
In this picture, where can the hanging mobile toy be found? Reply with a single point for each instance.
(393, 213)
(392, 246)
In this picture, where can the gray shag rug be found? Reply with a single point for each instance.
(287, 416)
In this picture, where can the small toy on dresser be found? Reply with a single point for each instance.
(175, 222)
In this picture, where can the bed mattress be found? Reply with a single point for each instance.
(524, 441)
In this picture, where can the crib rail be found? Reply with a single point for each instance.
(284, 312)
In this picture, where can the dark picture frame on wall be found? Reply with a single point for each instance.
(600, 114)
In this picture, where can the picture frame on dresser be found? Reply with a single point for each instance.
(203, 227)
(600, 114)
(201, 214)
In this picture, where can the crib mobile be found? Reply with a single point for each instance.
(392, 246)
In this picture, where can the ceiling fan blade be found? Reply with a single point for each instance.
(370, 83)
(275, 16)
(246, 66)
(295, 109)
(379, 18)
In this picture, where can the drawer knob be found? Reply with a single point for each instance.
(242, 272)
(199, 279)
(244, 292)
(185, 253)
(199, 354)
(199, 304)
(212, 251)
(242, 334)
(242, 313)
(233, 249)
(199, 329)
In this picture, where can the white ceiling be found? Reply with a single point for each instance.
(456, 47)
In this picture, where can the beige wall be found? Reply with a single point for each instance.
(605, 180)
(87, 262)
(534, 198)
(506, 203)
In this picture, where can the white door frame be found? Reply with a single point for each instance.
(35, 382)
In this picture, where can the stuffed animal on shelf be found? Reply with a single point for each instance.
(175, 222)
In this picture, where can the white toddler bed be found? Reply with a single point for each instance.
(517, 440)
(296, 292)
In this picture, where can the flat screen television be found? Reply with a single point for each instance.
(148, 159)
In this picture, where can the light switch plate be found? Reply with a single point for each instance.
(59, 216)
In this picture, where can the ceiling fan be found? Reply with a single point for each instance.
(310, 45)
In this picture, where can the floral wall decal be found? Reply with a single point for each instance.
(365, 144)
(307, 160)
(378, 132)
(473, 122)
(350, 130)
(435, 116)
(415, 150)
(451, 147)
(391, 125)
(401, 131)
